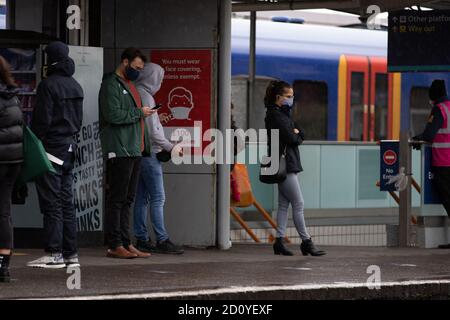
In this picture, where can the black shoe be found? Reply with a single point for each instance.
(145, 246)
(308, 247)
(280, 249)
(444, 246)
(4, 268)
(168, 247)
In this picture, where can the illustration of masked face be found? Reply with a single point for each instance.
(180, 103)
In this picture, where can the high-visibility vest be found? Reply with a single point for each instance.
(441, 142)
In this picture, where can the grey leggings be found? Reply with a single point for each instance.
(289, 192)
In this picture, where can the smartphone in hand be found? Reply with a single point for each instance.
(157, 106)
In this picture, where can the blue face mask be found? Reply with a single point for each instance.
(131, 73)
(289, 102)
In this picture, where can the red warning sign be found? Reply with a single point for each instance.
(389, 157)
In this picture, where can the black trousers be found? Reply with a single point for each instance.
(55, 193)
(8, 176)
(122, 176)
(442, 183)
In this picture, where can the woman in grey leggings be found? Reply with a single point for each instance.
(279, 100)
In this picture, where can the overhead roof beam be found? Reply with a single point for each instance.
(352, 6)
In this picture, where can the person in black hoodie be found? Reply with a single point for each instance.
(279, 100)
(11, 157)
(57, 117)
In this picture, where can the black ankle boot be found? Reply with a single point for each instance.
(308, 247)
(4, 268)
(280, 249)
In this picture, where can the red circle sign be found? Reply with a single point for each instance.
(389, 157)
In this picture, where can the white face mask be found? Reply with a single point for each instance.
(289, 102)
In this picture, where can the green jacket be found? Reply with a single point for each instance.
(120, 120)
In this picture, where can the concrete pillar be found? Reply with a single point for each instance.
(223, 179)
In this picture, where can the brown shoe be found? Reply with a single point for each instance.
(120, 253)
(139, 254)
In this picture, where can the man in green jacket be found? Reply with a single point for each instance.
(124, 140)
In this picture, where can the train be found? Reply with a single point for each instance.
(342, 89)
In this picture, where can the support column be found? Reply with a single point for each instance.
(224, 122)
(405, 195)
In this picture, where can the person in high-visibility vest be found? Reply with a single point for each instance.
(437, 131)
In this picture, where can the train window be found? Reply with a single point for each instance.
(419, 108)
(381, 106)
(311, 108)
(357, 106)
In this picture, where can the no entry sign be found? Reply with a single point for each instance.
(389, 157)
(389, 163)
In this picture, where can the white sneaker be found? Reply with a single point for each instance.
(50, 261)
(72, 262)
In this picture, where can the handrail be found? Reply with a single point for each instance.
(397, 198)
(325, 143)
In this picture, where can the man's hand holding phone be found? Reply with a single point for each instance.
(148, 111)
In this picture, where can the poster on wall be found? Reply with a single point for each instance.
(185, 94)
(88, 171)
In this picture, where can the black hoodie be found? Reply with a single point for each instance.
(58, 112)
(11, 122)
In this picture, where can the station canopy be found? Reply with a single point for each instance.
(351, 6)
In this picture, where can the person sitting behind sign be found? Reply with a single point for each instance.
(437, 131)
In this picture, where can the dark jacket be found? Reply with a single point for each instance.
(279, 118)
(58, 113)
(120, 120)
(434, 123)
(11, 126)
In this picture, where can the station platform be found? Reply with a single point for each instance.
(246, 271)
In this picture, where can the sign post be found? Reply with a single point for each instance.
(405, 194)
(394, 155)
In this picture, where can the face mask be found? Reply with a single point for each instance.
(131, 73)
(289, 102)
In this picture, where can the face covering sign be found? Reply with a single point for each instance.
(185, 94)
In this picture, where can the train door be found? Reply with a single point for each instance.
(380, 110)
(357, 125)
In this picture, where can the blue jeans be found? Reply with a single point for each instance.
(150, 191)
